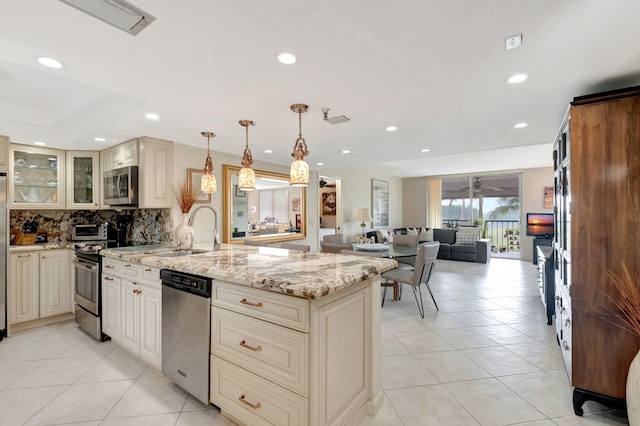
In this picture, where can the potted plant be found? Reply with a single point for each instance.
(626, 298)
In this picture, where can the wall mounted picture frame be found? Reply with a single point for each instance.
(329, 201)
(380, 202)
(239, 194)
(193, 185)
(548, 197)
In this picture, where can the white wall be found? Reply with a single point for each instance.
(532, 201)
(356, 193)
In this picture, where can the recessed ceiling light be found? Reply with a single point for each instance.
(50, 62)
(268, 151)
(346, 151)
(425, 150)
(38, 143)
(287, 58)
(152, 116)
(521, 125)
(99, 139)
(320, 164)
(517, 78)
(392, 128)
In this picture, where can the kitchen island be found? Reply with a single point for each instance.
(295, 337)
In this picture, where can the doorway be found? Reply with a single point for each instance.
(491, 201)
(329, 205)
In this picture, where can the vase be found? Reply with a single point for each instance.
(184, 232)
(633, 391)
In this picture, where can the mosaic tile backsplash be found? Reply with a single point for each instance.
(142, 225)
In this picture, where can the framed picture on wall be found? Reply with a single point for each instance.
(238, 192)
(329, 203)
(380, 202)
(193, 185)
(548, 197)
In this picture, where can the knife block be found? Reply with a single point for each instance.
(24, 239)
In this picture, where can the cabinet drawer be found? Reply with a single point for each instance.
(111, 266)
(110, 278)
(288, 311)
(131, 270)
(252, 399)
(273, 352)
(151, 275)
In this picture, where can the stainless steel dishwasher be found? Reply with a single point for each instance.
(186, 321)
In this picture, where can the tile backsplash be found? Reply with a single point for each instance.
(143, 225)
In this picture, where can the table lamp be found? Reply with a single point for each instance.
(364, 216)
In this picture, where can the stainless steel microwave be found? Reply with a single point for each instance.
(120, 186)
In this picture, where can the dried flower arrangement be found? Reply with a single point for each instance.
(186, 197)
(627, 297)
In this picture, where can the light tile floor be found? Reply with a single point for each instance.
(486, 358)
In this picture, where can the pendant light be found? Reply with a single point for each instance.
(247, 177)
(299, 172)
(208, 182)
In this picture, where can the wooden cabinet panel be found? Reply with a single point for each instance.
(24, 287)
(55, 283)
(111, 321)
(597, 202)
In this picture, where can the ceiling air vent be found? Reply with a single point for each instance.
(338, 119)
(118, 13)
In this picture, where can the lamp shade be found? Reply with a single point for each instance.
(246, 179)
(208, 183)
(363, 215)
(299, 173)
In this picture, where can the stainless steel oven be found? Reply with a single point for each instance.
(86, 271)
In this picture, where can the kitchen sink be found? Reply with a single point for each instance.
(181, 253)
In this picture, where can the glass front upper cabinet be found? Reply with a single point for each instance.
(83, 180)
(37, 175)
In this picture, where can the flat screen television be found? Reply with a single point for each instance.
(540, 225)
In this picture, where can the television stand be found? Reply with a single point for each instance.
(539, 242)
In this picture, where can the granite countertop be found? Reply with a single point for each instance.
(310, 275)
(36, 247)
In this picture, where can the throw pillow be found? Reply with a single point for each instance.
(466, 237)
(412, 231)
(470, 229)
(426, 235)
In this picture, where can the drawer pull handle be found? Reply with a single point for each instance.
(148, 270)
(109, 266)
(565, 345)
(254, 406)
(567, 322)
(108, 279)
(127, 266)
(256, 305)
(253, 348)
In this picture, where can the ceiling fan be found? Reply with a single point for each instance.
(477, 187)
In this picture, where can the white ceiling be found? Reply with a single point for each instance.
(435, 69)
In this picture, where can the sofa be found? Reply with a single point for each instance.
(463, 243)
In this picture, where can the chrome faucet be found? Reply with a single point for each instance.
(216, 235)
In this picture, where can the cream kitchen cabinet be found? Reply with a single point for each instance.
(121, 155)
(83, 180)
(154, 157)
(156, 173)
(36, 176)
(4, 153)
(24, 287)
(132, 308)
(55, 283)
(39, 285)
(283, 360)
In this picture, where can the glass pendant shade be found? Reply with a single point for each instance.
(208, 182)
(299, 171)
(247, 177)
